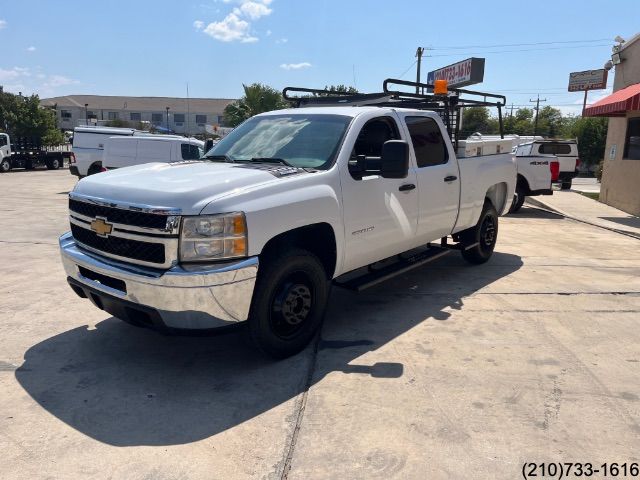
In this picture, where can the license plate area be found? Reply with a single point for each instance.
(105, 280)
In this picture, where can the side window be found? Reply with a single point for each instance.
(373, 135)
(190, 152)
(427, 141)
(3, 140)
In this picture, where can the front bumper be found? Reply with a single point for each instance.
(181, 298)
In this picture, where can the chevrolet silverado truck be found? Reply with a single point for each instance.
(289, 203)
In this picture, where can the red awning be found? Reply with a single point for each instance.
(616, 104)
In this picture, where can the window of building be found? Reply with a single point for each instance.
(65, 114)
(201, 119)
(113, 116)
(428, 144)
(178, 117)
(220, 119)
(135, 117)
(190, 152)
(632, 141)
(91, 114)
(156, 118)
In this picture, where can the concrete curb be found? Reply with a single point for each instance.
(544, 206)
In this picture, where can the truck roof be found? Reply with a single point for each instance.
(350, 111)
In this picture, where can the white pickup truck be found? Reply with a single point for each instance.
(286, 204)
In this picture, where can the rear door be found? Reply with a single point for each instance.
(437, 175)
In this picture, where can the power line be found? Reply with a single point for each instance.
(410, 67)
(517, 50)
(521, 44)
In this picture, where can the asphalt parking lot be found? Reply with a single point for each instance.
(451, 371)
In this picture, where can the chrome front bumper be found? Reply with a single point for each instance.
(182, 297)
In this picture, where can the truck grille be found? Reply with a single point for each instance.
(122, 247)
(117, 215)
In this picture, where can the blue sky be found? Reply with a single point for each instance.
(154, 48)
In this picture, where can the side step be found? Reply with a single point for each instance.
(401, 266)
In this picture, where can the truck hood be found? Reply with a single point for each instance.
(189, 186)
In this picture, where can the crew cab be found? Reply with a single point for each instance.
(289, 202)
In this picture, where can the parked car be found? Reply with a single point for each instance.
(567, 153)
(121, 151)
(287, 203)
(29, 153)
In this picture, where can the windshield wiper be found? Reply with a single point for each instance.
(272, 160)
(223, 158)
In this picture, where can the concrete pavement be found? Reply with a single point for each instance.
(585, 184)
(450, 371)
(580, 207)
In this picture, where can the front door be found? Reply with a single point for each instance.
(380, 214)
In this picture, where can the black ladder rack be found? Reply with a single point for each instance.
(449, 106)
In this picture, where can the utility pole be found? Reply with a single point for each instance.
(419, 53)
(537, 108)
(511, 111)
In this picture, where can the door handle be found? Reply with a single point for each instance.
(450, 178)
(406, 187)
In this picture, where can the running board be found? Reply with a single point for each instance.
(375, 277)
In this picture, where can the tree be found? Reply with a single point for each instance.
(258, 98)
(550, 122)
(338, 89)
(591, 133)
(477, 119)
(24, 117)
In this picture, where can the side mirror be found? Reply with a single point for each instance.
(208, 144)
(395, 159)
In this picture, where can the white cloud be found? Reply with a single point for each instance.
(295, 66)
(236, 26)
(253, 10)
(231, 29)
(13, 73)
(282, 40)
(3, 24)
(31, 49)
(54, 81)
(268, 33)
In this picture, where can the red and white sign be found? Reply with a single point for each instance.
(459, 74)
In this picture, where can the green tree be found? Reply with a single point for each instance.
(591, 133)
(478, 119)
(550, 122)
(258, 98)
(24, 117)
(338, 89)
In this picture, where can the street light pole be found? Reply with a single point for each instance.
(86, 115)
(167, 118)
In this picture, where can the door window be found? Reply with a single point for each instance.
(190, 152)
(372, 137)
(428, 144)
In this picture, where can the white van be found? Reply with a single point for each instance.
(88, 145)
(120, 151)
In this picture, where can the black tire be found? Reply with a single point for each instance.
(53, 164)
(5, 165)
(28, 165)
(95, 168)
(566, 185)
(288, 303)
(518, 199)
(485, 234)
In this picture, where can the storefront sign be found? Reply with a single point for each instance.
(588, 80)
(461, 74)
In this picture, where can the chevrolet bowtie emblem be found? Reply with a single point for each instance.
(101, 227)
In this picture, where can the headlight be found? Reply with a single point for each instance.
(213, 237)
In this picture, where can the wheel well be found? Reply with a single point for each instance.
(497, 195)
(318, 239)
(94, 168)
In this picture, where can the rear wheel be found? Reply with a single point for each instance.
(288, 303)
(28, 165)
(95, 168)
(566, 185)
(518, 199)
(484, 235)
(53, 164)
(5, 165)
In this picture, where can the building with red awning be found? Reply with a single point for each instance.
(621, 174)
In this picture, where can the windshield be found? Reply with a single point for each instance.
(304, 141)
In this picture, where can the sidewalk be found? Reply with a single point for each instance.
(576, 206)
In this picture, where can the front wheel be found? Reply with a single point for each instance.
(288, 303)
(484, 235)
(5, 165)
(518, 199)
